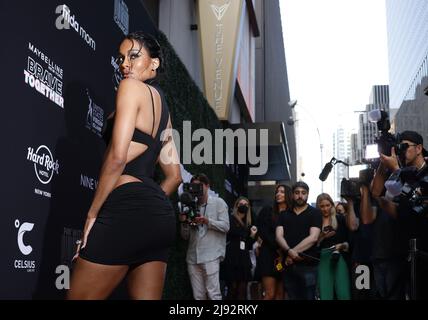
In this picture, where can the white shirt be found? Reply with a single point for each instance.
(207, 242)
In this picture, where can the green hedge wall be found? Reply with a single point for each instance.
(186, 103)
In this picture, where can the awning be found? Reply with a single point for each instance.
(278, 155)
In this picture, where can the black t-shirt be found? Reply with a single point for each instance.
(297, 227)
(387, 237)
(361, 240)
(412, 226)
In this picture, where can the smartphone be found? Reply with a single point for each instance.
(327, 229)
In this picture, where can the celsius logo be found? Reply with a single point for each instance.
(44, 164)
(219, 11)
(26, 226)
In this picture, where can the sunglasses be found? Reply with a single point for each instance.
(402, 147)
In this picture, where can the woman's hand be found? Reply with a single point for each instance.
(342, 246)
(327, 233)
(253, 232)
(82, 243)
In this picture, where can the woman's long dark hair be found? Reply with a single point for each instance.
(287, 190)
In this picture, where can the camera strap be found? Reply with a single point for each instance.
(205, 209)
(202, 228)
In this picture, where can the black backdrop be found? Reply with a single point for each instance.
(51, 152)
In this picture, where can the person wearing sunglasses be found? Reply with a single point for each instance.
(411, 153)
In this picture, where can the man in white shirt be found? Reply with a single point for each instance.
(207, 242)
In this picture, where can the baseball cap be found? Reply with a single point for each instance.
(414, 137)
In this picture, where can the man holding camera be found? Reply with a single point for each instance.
(297, 234)
(207, 241)
(397, 201)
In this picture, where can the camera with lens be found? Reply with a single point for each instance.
(386, 140)
(188, 203)
(414, 191)
(350, 188)
(409, 186)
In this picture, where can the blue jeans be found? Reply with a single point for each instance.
(300, 281)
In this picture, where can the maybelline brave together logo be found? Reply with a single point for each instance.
(43, 75)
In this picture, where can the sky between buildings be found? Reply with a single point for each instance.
(336, 50)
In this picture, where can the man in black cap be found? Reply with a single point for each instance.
(412, 150)
(412, 225)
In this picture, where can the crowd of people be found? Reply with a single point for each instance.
(292, 250)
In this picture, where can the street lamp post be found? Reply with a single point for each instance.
(292, 104)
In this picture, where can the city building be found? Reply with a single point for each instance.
(408, 66)
(367, 131)
(259, 90)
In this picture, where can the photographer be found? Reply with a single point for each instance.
(388, 256)
(207, 241)
(412, 225)
(412, 155)
(360, 236)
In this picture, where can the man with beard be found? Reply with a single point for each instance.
(297, 234)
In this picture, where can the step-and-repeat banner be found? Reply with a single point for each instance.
(57, 88)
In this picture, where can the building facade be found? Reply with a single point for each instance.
(260, 92)
(408, 66)
(342, 151)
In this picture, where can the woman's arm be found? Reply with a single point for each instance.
(129, 93)
(368, 213)
(264, 224)
(352, 221)
(169, 162)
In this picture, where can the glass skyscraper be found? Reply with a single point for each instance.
(407, 27)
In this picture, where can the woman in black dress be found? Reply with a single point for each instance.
(240, 238)
(131, 223)
(269, 250)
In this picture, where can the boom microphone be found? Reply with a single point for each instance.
(325, 172)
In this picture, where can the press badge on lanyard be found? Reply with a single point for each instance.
(242, 245)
